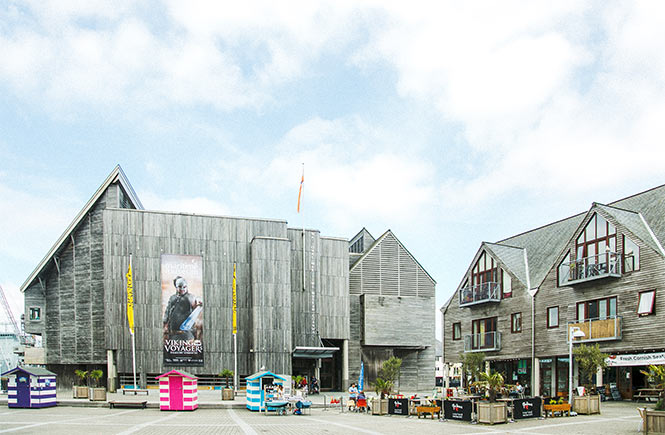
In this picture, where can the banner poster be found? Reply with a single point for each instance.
(182, 308)
(457, 410)
(526, 408)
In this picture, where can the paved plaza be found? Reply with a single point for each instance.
(616, 417)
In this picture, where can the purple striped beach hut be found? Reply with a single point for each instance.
(30, 387)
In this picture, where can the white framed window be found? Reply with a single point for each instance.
(646, 302)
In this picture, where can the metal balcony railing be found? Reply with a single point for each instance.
(479, 293)
(602, 329)
(488, 341)
(590, 268)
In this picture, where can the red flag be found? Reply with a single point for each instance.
(302, 180)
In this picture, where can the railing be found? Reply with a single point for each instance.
(479, 293)
(488, 341)
(608, 328)
(590, 268)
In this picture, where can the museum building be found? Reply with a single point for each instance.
(197, 279)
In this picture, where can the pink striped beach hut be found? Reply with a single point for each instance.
(178, 391)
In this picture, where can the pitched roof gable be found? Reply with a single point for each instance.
(117, 175)
(635, 223)
(512, 258)
(378, 241)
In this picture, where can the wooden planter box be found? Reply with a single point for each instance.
(80, 392)
(492, 413)
(652, 421)
(586, 404)
(227, 394)
(379, 406)
(98, 394)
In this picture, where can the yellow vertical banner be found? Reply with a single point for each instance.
(235, 302)
(130, 299)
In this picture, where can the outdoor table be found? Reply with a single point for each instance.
(646, 394)
(276, 405)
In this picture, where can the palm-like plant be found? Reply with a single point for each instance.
(493, 381)
(226, 373)
(382, 387)
(656, 375)
(82, 375)
(96, 375)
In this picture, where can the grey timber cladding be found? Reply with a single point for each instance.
(304, 298)
(397, 321)
(271, 305)
(221, 241)
(72, 299)
(334, 308)
(389, 269)
(638, 334)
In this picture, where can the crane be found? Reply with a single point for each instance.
(22, 336)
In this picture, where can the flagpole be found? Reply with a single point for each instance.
(131, 330)
(235, 335)
(302, 186)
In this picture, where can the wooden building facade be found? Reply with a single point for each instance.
(601, 271)
(292, 286)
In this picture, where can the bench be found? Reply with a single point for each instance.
(121, 404)
(646, 394)
(563, 408)
(134, 391)
(431, 410)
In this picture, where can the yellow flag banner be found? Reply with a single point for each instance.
(130, 299)
(235, 302)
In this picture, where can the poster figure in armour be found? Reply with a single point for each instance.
(182, 303)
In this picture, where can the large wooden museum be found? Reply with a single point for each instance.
(305, 304)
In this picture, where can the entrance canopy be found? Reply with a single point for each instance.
(314, 352)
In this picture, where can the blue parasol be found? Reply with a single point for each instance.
(361, 378)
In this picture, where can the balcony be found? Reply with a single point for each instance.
(598, 329)
(486, 342)
(600, 266)
(479, 294)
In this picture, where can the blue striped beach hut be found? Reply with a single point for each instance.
(256, 384)
(30, 387)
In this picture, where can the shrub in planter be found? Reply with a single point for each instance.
(81, 391)
(97, 392)
(227, 391)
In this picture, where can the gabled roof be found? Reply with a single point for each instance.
(117, 175)
(378, 241)
(361, 233)
(263, 374)
(34, 371)
(635, 223)
(177, 372)
(512, 257)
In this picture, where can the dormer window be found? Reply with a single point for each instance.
(631, 255)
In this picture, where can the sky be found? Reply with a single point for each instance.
(450, 123)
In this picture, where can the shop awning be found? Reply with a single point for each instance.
(314, 352)
(640, 359)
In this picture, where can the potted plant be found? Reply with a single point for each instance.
(653, 420)
(97, 392)
(384, 384)
(227, 391)
(589, 359)
(472, 366)
(81, 391)
(491, 411)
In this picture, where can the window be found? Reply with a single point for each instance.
(599, 309)
(485, 270)
(507, 284)
(553, 317)
(516, 322)
(35, 313)
(596, 241)
(646, 303)
(357, 247)
(457, 331)
(563, 271)
(484, 333)
(631, 255)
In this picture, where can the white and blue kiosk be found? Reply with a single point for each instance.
(259, 388)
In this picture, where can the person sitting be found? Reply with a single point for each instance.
(353, 394)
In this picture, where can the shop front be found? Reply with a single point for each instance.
(625, 371)
(554, 377)
(514, 371)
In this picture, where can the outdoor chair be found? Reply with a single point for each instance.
(361, 405)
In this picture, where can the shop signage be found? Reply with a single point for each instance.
(642, 359)
(457, 410)
(526, 408)
(398, 406)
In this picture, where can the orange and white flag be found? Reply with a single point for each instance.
(302, 181)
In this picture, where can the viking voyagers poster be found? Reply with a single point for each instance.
(182, 308)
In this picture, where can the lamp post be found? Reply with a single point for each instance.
(574, 333)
